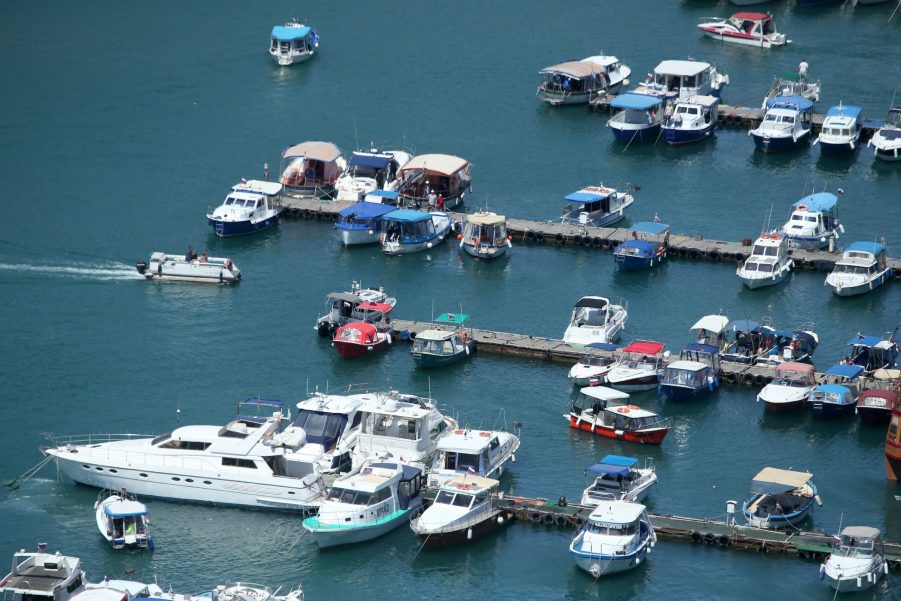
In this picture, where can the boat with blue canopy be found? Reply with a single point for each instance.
(693, 375)
(837, 396)
(780, 498)
(122, 520)
(638, 117)
(769, 262)
(438, 348)
(293, 43)
(580, 82)
(872, 353)
(409, 231)
(813, 222)
(361, 223)
(691, 120)
(596, 206)
(371, 170)
(618, 478)
(647, 247)
(862, 268)
(786, 125)
(840, 132)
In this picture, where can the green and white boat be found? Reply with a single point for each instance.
(437, 348)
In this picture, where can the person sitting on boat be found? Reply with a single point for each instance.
(130, 528)
(203, 256)
(778, 509)
(566, 85)
(191, 254)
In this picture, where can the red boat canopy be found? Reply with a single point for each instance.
(753, 16)
(383, 307)
(645, 347)
(358, 332)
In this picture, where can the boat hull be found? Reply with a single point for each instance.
(837, 149)
(351, 350)
(604, 565)
(467, 534)
(286, 60)
(644, 134)
(888, 154)
(636, 384)
(675, 136)
(429, 361)
(486, 253)
(359, 237)
(632, 263)
(781, 144)
(849, 584)
(226, 229)
(651, 436)
(827, 410)
(736, 38)
(777, 521)
(564, 98)
(874, 416)
(684, 393)
(333, 537)
(863, 287)
(755, 283)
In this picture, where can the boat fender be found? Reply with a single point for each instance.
(559, 238)
(747, 380)
(561, 520)
(597, 242)
(709, 538)
(561, 502)
(159, 269)
(530, 236)
(535, 517)
(759, 380)
(548, 518)
(724, 540)
(695, 536)
(577, 240)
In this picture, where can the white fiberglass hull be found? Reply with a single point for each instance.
(753, 280)
(852, 286)
(484, 252)
(292, 58)
(852, 574)
(356, 237)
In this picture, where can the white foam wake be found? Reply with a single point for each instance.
(97, 271)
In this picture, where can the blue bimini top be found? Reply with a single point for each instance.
(821, 201)
(584, 197)
(874, 248)
(363, 210)
(797, 102)
(408, 216)
(844, 111)
(289, 34)
(635, 102)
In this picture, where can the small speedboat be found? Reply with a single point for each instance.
(747, 29)
(311, 169)
(251, 206)
(857, 561)
(122, 520)
(886, 142)
(617, 537)
(438, 348)
(40, 576)
(485, 236)
(434, 175)
(359, 338)
(780, 498)
(471, 452)
(579, 82)
(646, 248)
(861, 269)
(813, 222)
(790, 388)
(840, 131)
(293, 43)
(786, 125)
(407, 231)
(639, 366)
(831, 400)
(873, 353)
(621, 422)
(595, 319)
(340, 307)
(591, 370)
(768, 264)
(687, 379)
(180, 268)
(596, 206)
(676, 79)
(617, 478)
(638, 117)
(361, 223)
(368, 171)
(692, 119)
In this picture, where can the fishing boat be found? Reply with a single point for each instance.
(122, 520)
(769, 262)
(638, 117)
(311, 169)
(689, 378)
(792, 84)
(886, 142)
(813, 222)
(639, 366)
(788, 345)
(340, 307)
(874, 405)
(485, 235)
(365, 505)
(180, 268)
(472, 452)
(790, 387)
(786, 125)
(840, 132)
(368, 171)
(595, 319)
(40, 576)
(293, 43)
(647, 247)
(617, 537)
(361, 223)
(862, 268)
(618, 478)
(780, 498)
(691, 119)
(872, 353)
(746, 28)
(407, 231)
(621, 422)
(676, 79)
(438, 348)
(857, 560)
(438, 175)
(251, 206)
(464, 510)
(359, 338)
(578, 82)
(743, 341)
(591, 370)
(596, 206)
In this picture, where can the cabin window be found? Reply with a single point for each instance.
(893, 429)
(160, 439)
(495, 443)
(229, 201)
(444, 498)
(465, 461)
(185, 445)
(765, 267)
(235, 462)
(787, 119)
(770, 117)
(72, 586)
(480, 498)
(450, 461)
(462, 500)
(380, 495)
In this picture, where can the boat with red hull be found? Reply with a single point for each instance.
(893, 446)
(620, 422)
(359, 338)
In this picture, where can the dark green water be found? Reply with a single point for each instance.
(121, 124)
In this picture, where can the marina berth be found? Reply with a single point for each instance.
(408, 231)
(647, 247)
(361, 223)
(485, 235)
(691, 119)
(746, 28)
(311, 169)
(596, 206)
(341, 307)
(39, 576)
(595, 319)
(639, 366)
(293, 43)
(638, 117)
(790, 387)
(185, 268)
(861, 269)
(621, 422)
(840, 132)
(591, 370)
(369, 171)
(780, 498)
(857, 561)
(122, 520)
(677, 79)
(427, 177)
(359, 338)
(886, 142)
(785, 126)
(618, 478)
(769, 263)
(251, 206)
(579, 82)
(468, 452)
(617, 537)
(813, 222)
(439, 348)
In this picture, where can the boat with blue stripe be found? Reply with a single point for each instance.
(813, 221)
(836, 397)
(780, 498)
(840, 132)
(647, 247)
(251, 206)
(691, 120)
(861, 269)
(786, 125)
(361, 223)
(617, 537)
(693, 375)
(638, 117)
(408, 231)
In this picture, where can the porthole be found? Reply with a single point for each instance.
(113, 471)
(99, 469)
(87, 467)
(189, 479)
(176, 478)
(207, 482)
(290, 492)
(143, 475)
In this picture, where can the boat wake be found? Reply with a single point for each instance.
(97, 271)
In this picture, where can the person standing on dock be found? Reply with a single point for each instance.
(802, 70)
(433, 200)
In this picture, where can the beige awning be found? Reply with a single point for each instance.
(861, 532)
(486, 218)
(317, 151)
(574, 69)
(442, 164)
(789, 478)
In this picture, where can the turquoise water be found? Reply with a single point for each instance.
(122, 124)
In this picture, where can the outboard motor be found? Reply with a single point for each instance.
(142, 267)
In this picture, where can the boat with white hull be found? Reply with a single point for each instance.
(251, 206)
(580, 82)
(813, 222)
(638, 367)
(857, 561)
(595, 319)
(39, 576)
(745, 28)
(840, 132)
(675, 79)
(886, 142)
(465, 452)
(617, 537)
(790, 387)
(785, 126)
(293, 43)
(780, 498)
(861, 269)
(463, 510)
(369, 171)
(407, 231)
(593, 369)
(179, 268)
(122, 520)
(769, 263)
(618, 478)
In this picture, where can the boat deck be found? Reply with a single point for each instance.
(35, 578)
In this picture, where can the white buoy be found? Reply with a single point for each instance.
(428, 245)
(500, 520)
(858, 582)
(469, 534)
(368, 348)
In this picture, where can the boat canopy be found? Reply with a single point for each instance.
(874, 248)
(644, 247)
(368, 159)
(798, 102)
(619, 460)
(258, 187)
(861, 532)
(603, 346)
(887, 374)
(644, 347)
(317, 151)
(576, 69)
(752, 16)
(687, 366)
(743, 325)
(344, 296)
(844, 111)
(454, 318)
(594, 302)
(706, 102)
(384, 195)
(584, 197)
(407, 216)
(635, 102)
(845, 371)
(122, 509)
(289, 34)
(615, 465)
(616, 512)
(649, 227)
(366, 330)
(794, 366)
(681, 68)
(821, 201)
(486, 219)
(363, 210)
(702, 348)
(773, 481)
(437, 335)
(602, 393)
(865, 341)
(711, 323)
(442, 164)
(833, 389)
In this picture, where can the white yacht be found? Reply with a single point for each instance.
(617, 537)
(768, 264)
(813, 222)
(371, 170)
(595, 319)
(862, 268)
(675, 79)
(618, 478)
(886, 142)
(251, 206)
(638, 366)
(39, 576)
(592, 370)
(475, 452)
(857, 561)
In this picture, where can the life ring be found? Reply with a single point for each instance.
(458, 432)
(559, 238)
(485, 434)
(622, 409)
(801, 208)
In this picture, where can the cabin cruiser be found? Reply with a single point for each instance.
(361, 223)
(689, 378)
(639, 366)
(835, 400)
(857, 561)
(813, 222)
(312, 169)
(407, 231)
(40, 576)
(873, 353)
(293, 43)
(592, 369)
(638, 117)
(874, 406)
(438, 348)
(646, 248)
(250, 207)
(621, 422)
(340, 307)
(596, 206)
(434, 175)
(769, 262)
(370, 170)
(367, 504)
(181, 268)
(464, 509)
(886, 142)
(780, 498)
(785, 126)
(579, 82)
(677, 79)
(485, 235)
(472, 452)
(122, 520)
(840, 131)
(691, 119)
(617, 478)
(861, 269)
(617, 537)
(792, 85)
(359, 338)
(595, 319)
(790, 388)
(747, 29)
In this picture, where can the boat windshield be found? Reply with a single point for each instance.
(321, 428)
(433, 347)
(764, 267)
(854, 547)
(793, 380)
(392, 426)
(854, 269)
(596, 361)
(684, 377)
(613, 529)
(768, 251)
(456, 499)
(590, 316)
(351, 497)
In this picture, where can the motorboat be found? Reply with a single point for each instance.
(361, 223)
(468, 452)
(368, 171)
(367, 504)
(857, 560)
(434, 175)
(746, 28)
(408, 231)
(688, 379)
(485, 235)
(618, 478)
(691, 119)
(595, 319)
(40, 576)
(122, 520)
(464, 510)
(359, 338)
(886, 142)
(840, 132)
(331, 425)
(832, 400)
(780, 498)
(862, 268)
(617, 537)
(340, 307)
(249, 461)
(769, 262)
(711, 331)
(790, 387)
(293, 43)
(786, 124)
(128, 590)
(813, 222)
(872, 353)
(792, 84)
(245, 591)
(579, 82)
(639, 366)
(893, 445)
(787, 345)
(180, 268)
(311, 169)
(251, 206)
(438, 348)
(743, 341)
(596, 206)
(638, 117)
(621, 422)
(592, 369)
(676, 79)
(874, 405)
(647, 247)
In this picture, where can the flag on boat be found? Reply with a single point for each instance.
(656, 218)
(42, 546)
(840, 191)
(470, 471)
